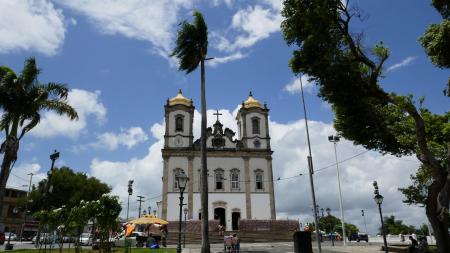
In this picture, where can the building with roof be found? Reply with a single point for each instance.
(240, 177)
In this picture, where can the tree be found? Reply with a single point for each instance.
(349, 78)
(22, 99)
(106, 213)
(69, 189)
(396, 227)
(331, 223)
(191, 50)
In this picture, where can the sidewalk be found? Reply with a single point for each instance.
(286, 248)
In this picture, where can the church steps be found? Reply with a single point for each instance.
(245, 237)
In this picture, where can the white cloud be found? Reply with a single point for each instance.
(220, 60)
(19, 178)
(86, 104)
(253, 24)
(127, 137)
(31, 26)
(293, 196)
(138, 19)
(293, 86)
(407, 61)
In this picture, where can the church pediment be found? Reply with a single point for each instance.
(220, 139)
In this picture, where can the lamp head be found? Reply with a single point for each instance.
(330, 138)
(378, 199)
(182, 180)
(54, 156)
(185, 211)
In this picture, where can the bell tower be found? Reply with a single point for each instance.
(253, 124)
(179, 118)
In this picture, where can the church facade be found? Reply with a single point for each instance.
(240, 177)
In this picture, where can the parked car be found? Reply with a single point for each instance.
(86, 239)
(12, 238)
(2, 238)
(358, 237)
(45, 238)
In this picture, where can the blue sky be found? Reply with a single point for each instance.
(114, 57)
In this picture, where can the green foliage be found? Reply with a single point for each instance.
(396, 227)
(23, 97)
(443, 6)
(69, 189)
(192, 43)
(436, 42)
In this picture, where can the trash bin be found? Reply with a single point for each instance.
(302, 242)
(9, 246)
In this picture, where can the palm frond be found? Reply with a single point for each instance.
(35, 119)
(29, 74)
(191, 44)
(57, 89)
(60, 107)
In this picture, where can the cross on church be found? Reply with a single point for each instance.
(217, 114)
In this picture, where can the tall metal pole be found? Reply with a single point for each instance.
(335, 139)
(130, 192)
(382, 227)
(180, 220)
(311, 171)
(184, 234)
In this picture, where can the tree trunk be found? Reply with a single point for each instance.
(9, 147)
(204, 190)
(440, 226)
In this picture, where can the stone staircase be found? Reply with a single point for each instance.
(245, 237)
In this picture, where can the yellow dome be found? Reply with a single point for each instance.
(251, 102)
(180, 100)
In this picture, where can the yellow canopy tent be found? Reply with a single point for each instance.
(149, 219)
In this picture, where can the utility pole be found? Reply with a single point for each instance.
(311, 172)
(140, 200)
(26, 206)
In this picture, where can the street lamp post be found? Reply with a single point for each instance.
(182, 179)
(130, 192)
(379, 200)
(364, 218)
(184, 234)
(335, 140)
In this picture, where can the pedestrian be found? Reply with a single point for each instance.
(413, 246)
(236, 243)
(164, 233)
(423, 245)
(220, 228)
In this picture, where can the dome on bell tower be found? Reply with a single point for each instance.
(251, 102)
(180, 100)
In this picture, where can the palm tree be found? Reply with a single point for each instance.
(22, 98)
(191, 50)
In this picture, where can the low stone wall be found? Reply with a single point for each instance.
(268, 225)
(244, 225)
(193, 225)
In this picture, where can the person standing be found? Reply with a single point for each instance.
(236, 243)
(413, 246)
(164, 233)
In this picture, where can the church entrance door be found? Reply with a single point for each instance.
(219, 214)
(235, 217)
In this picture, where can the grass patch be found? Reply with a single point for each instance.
(116, 250)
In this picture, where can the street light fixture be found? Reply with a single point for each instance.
(335, 139)
(184, 234)
(379, 200)
(181, 179)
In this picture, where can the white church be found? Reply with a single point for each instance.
(240, 176)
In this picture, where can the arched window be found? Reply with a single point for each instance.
(176, 172)
(259, 177)
(255, 125)
(218, 175)
(179, 119)
(234, 179)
